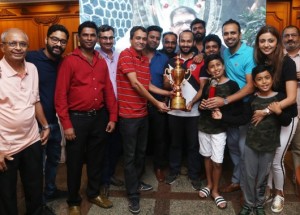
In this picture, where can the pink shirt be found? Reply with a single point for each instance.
(18, 125)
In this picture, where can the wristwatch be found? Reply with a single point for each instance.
(267, 111)
(45, 127)
(225, 101)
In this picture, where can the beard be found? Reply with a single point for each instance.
(52, 53)
(186, 52)
(199, 37)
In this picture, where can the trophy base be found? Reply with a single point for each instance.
(178, 103)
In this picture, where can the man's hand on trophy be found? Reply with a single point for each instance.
(162, 107)
(189, 106)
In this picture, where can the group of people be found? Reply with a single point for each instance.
(110, 103)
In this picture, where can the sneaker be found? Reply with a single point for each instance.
(171, 178)
(196, 184)
(277, 204)
(259, 210)
(145, 187)
(57, 194)
(245, 210)
(134, 205)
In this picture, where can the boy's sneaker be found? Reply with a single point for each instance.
(145, 187)
(277, 205)
(259, 210)
(196, 184)
(171, 178)
(134, 205)
(245, 210)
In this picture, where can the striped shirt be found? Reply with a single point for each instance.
(131, 104)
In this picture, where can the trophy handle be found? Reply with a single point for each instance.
(168, 75)
(188, 71)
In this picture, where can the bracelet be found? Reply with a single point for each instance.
(45, 127)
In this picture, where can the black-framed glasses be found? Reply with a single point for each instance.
(55, 40)
(14, 44)
(107, 38)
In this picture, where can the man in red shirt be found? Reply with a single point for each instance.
(133, 83)
(83, 91)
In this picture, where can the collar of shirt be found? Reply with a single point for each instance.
(78, 52)
(134, 53)
(105, 55)
(286, 53)
(8, 70)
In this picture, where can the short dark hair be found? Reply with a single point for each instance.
(87, 24)
(198, 21)
(232, 21)
(181, 10)
(57, 27)
(136, 28)
(212, 57)
(291, 26)
(186, 31)
(261, 68)
(104, 28)
(212, 37)
(170, 33)
(154, 28)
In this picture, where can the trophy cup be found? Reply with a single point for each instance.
(176, 76)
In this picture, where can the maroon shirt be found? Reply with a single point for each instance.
(82, 86)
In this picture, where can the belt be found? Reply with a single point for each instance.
(85, 113)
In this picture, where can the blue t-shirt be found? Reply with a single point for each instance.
(239, 64)
(47, 70)
(157, 66)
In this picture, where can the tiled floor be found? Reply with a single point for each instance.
(177, 199)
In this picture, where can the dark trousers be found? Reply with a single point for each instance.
(52, 158)
(134, 134)
(112, 153)
(157, 136)
(29, 163)
(88, 146)
(184, 134)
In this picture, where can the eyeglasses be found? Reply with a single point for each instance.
(107, 38)
(290, 35)
(56, 40)
(14, 44)
(181, 23)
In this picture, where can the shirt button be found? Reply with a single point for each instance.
(95, 88)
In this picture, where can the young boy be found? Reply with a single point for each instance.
(212, 133)
(262, 138)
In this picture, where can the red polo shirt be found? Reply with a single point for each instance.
(131, 104)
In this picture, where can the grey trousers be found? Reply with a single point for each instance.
(255, 175)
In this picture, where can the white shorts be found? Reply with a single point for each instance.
(212, 145)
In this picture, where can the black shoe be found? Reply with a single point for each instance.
(47, 210)
(134, 205)
(116, 182)
(171, 178)
(145, 187)
(196, 184)
(57, 194)
(245, 210)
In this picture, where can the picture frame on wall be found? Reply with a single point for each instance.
(76, 42)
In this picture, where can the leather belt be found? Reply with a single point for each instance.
(85, 113)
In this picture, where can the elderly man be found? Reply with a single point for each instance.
(20, 140)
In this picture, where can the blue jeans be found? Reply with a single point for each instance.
(134, 134)
(236, 138)
(52, 152)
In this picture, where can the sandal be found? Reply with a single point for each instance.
(205, 192)
(220, 200)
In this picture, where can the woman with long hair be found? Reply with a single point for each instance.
(268, 50)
